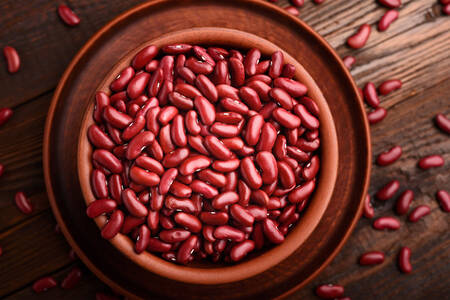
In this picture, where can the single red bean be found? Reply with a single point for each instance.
(188, 221)
(267, 138)
(308, 120)
(199, 67)
(205, 109)
(432, 161)
(237, 71)
(197, 143)
(222, 200)
(44, 284)
(241, 215)
(213, 218)
(271, 232)
(268, 165)
(174, 158)
(368, 211)
(371, 258)
(203, 188)
(155, 245)
(441, 121)
(302, 192)
(143, 177)
(390, 156)
(98, 183)
(116, 118)
(177, 48)
(330, 291)
(297, 153)
(122, 80)
(218, 53)
(262, 66)
(311, 169)
(72, 279)
(418, 213)
(150, 164)
(5, 115)
(137, 85)
(250, 174)
(155, 82)
(192, 124)
(292, 87)
(349, 61)
(224, 130)
(285, 118)
(12, 59)
(251, 60)
(153, 220)
(387, 19)
(386, 223)
(131, 223)
(234, 105)
(139, 143)
(194, 163)
(253, 129)
(114, 224)
(388, 191)
(143, 239)
(285, 175)
(206, 87)
(186, 249)
(377, 115)
(359, 39)
(132, 204)
(389, 86)
(404, 260)
(99, 138)
(404, 201)
(261, 88)
(166, 180)
(143, 57)
(152, 66)
(68, 16)
(23, 203)
(391, 3)
(217, 148)
(164, 91)
(134, 128)
(226, 232)
(370, 95)
(239, 251)
(444, 200)
(250, 97)
(180, 101)
(174, 235)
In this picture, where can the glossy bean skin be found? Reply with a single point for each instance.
(349, 61)
(359, 39)
(404, 202)
(442, 122)
(239, 251)
(186, 248)
(23, 203)
(444, 200)
(432, 161)
(143, 57)
(44, 284)
(330, 291)
(388, 191)
(132, 204)
(371, 258)
(371, 95)
(68, 16)
(12, 59)
(387, 19)
(114, 224)
(271, 232)
(225, 232)
(418, 213)
(386, 223)
(377, 115)
(368, 210)
(390, 156)
(404, 257)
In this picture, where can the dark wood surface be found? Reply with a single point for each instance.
(415, 49)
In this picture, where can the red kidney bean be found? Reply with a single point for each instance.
(114, 224)
(391, 3)
(203, 188)
(404, 201)
(281, 97)
(224, 130)
(150, 164)
(368, 211)
(203, 55)
(377, 115)
(253, 129)
(164, 91)
(176, 48)
(206, 87)
(330, 291)
(370, 95)
(143, 57)
(446, 9)
(186, 249)
(155, 245)
(267, 138)
(218, 53)
(390, 156)
(250, 97)
(131, 223)
(277, 64)
(167, 65)
(174, 158)
(180, 101)
(197, 143)
(116, 118)
(118, 96)
(139, 143)
(143, 239)
(261, 88)
(310, 105)
(217, 148)
(286, 174)
(5, 115)
(12, 59)
(271, 232)
(99, 207)
(349, 61)
(386, 223)
(389, 86)
(72, 279)
(188, 221)
(152, 66)
(441, 121)
(143, 177)
(432, 161)
(155, 82)
(186, 74)
(371, 258)
(222, 200)
(44, 284)
(166, 180)
(268, 165)
(134, 128)
(388, 191)
(234, 106)
(98, 183)
(192, 124)
(199, 67)
(311, 169)
(167, 114)
(137, 85)
(153, 220)
(387, 19)
(241, 215)
(122, 80)
(221, 73)
(23, 203)
(279, 148)
(260, 198)
(302, 192)
(404, 257)
(285, 118)
(250, 174)
(132, 204)
(251, 60)
(292, 87)
(99, 138)
(237, 71)
(215, 219)
(67, 15)
(307, 119)
(174, 235)
(194, 163)
(226, 232)
(444, 200)
(178, 131)
(205, 109)
(288, 69)
(359, 39)
(122, 107)
(418, 213)
(239, 251)
(297, 153)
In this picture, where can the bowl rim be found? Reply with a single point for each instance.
(121, 18)
(311, 216)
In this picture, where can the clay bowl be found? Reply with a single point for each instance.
(149, 21)
(211, 273)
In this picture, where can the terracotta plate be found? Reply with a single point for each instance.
(150, 21)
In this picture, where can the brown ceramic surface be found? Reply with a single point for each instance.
(73, 99)
(211, 273)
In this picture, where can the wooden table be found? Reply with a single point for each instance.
(415, 49)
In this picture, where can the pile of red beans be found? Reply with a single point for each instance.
(203, 153)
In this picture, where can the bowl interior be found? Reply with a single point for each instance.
(212, 273)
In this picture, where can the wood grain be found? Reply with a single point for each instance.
(414, 49)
